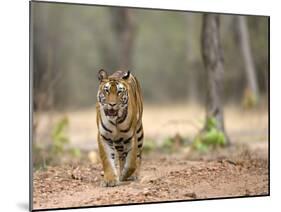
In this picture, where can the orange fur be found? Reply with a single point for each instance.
(131, 167)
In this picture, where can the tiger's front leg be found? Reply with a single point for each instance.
(107, 156)
(139, 144)
(140, 135)
(130, 163)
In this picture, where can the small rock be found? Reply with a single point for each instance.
(191, 194)
(247, 192)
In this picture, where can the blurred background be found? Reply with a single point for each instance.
(163, 50)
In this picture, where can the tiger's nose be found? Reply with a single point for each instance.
(112, 104)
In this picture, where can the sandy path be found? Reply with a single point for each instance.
(163, 178)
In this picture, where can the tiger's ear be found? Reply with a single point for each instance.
(102, 75)
(126, 75)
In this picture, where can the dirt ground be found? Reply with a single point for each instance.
(235, 171)
(239, 170)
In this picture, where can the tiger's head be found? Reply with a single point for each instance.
(113, 94)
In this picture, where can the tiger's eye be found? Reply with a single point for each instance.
(106, 89)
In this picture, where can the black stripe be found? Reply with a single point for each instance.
(128, 151)
(119, 140)
(105, 138)
(127, 130)
(110, 142)
(128, 140)
(112, 156)
(141, 137)
(111, 122)
(119, 149)
(140, 145)
(104, 127)
(124, 154)
(139, 129)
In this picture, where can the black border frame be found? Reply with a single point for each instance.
(31, 108)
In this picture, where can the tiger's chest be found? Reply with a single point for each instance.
(115, 137)
(114, 132)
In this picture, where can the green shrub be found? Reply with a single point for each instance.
(61, 140)
(149, 145)
(59, 136)
(211, 137)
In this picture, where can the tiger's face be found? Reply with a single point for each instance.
(113, 97)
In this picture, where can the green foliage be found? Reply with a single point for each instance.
(149, 145)
(60, 140)
(199, 145)
(174, 144)
(211, 137)
(75, 152)
(211, 123)
(168, 145)
(59, 136)
(59, 150)
(38, 157)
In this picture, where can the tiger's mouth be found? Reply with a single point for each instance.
(111, 112)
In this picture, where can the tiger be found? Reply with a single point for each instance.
(120, 130)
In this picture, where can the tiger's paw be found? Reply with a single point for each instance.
(132, 178)
(110, 183)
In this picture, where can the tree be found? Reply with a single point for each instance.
(213, 61)
(124, 30)
(244, 43)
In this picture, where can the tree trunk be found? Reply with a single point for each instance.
(244, 42)
(124, 29)
(213, 62)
